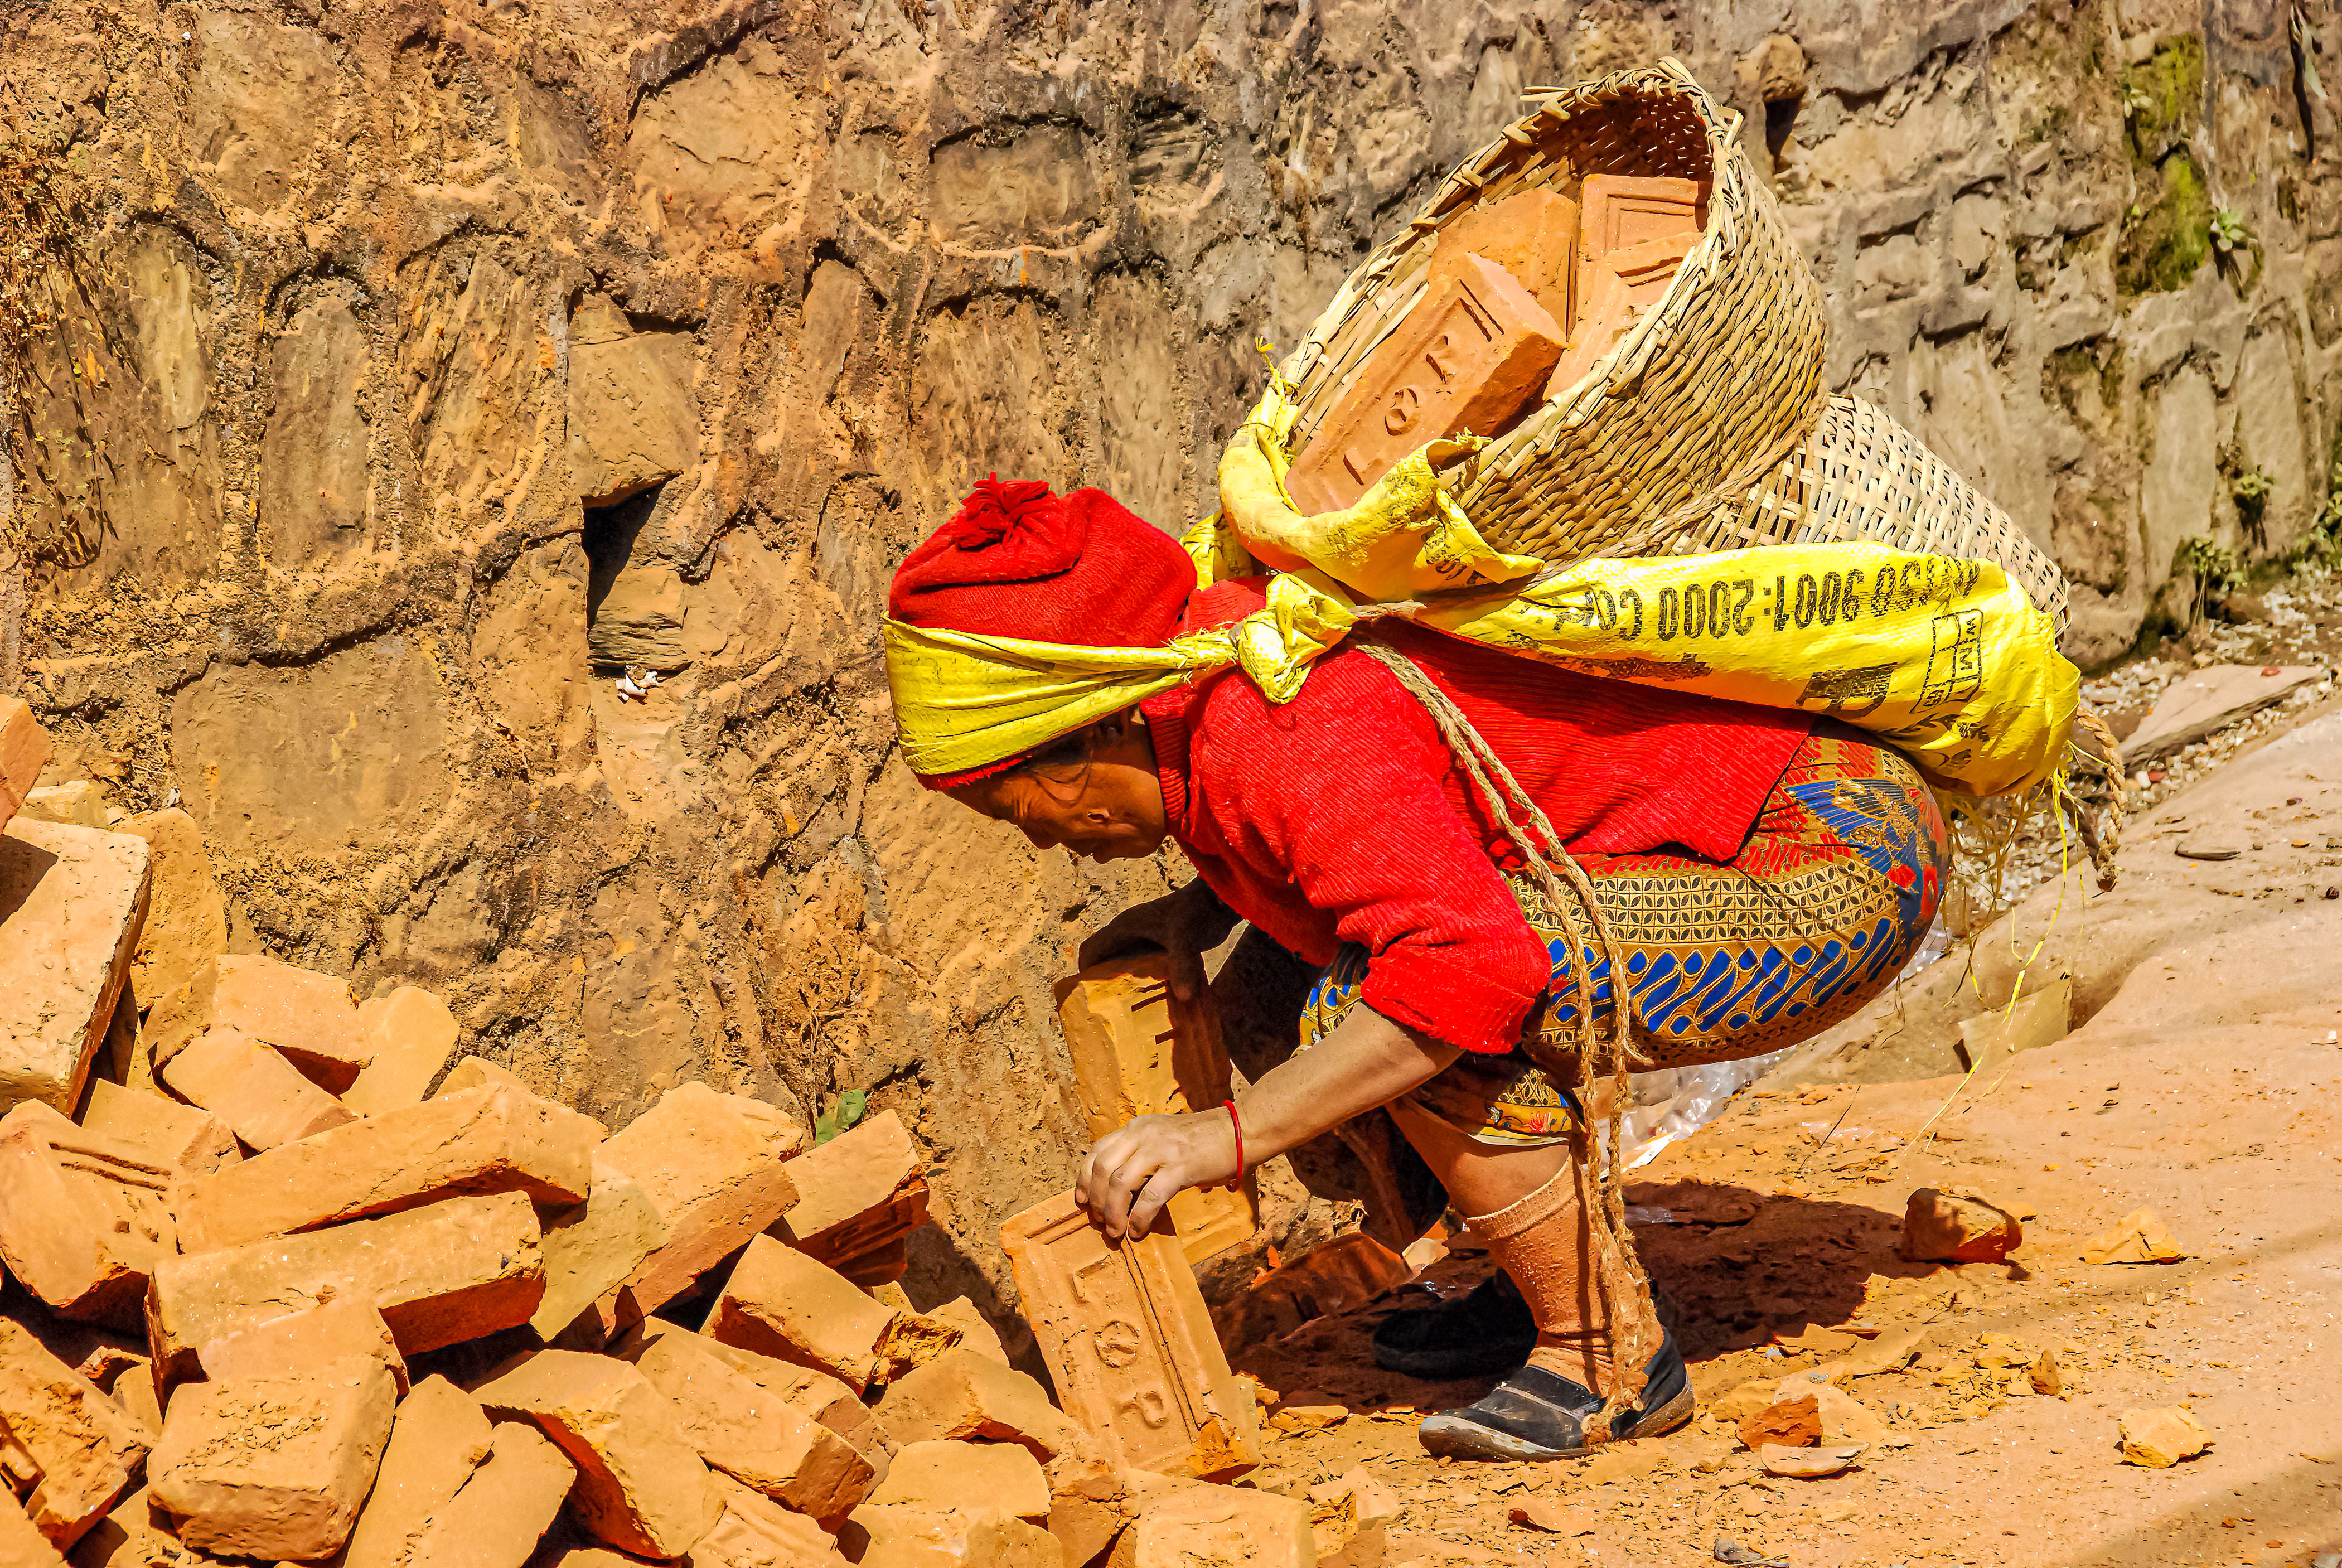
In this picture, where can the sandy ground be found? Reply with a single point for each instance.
(2204, 1080)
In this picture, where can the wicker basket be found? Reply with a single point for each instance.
(1708, 425)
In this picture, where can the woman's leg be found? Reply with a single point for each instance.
(1529, 1206)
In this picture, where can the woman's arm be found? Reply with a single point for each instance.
(1367, 1061)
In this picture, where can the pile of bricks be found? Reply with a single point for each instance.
(285, 1283)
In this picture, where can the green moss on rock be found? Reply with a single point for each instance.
(2169, 233)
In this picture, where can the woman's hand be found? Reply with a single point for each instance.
(1133, 1171)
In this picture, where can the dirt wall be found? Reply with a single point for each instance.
(435, 358)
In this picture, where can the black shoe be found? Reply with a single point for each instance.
(1489, 1332)
(1534, 1414)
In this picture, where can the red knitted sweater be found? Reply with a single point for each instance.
(1340, 816)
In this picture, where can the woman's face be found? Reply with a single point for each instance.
(1108, 808)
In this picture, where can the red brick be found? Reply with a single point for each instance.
(186, 1138)
(1619, 210)
(452, 1272)
(966, 1475)
(24, 751)
(84, 1218)
(754, 1532)
(641, 1486)
(136, 1535)
(590, 1250)
(264, 1100)
(505, 1508)
(1532, 235)
(302, 1341)
(22, 1545)
(889, 1536)
(712, 1166)
(86, 1451)
(186, 917)
(1126, 1335)
(74, 899)
(752, 1434)
(273, 1467)
(306, 1015)
(439, 1436)
(1204, 1525)
(858, 1195)
(476, 1073)
(975, 1331)
(1139, 1051)
(409, 1035)
(813, 1395)
(963, 1394)
(1470, 353)
(782, 1304)
(498, 1139)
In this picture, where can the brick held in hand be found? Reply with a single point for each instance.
(261, 1096)
(782, 1304)
(641, 1485)
(451, 1271)
(487, 1141)
(305, 1015)
(1126, 1334)
(713, 1165)
(71, 901)
(1469, 355)
(965, 1395)
(86, 1450)
(409, 1035)
(752, 1434)
(187, 1138)
(84, 1218)
(273, 1467)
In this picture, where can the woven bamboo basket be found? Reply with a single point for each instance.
(1709, 425)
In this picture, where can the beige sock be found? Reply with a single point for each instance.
(1546, 1243)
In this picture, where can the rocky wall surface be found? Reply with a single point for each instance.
(437, 360)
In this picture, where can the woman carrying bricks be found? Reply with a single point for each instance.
(1758, 874)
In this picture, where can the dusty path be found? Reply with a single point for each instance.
(2206, 1083)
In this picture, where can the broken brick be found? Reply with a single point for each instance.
(135, 1534)
(591, 1249)
(858, 1195)
(751, 1433)
(754, 1532)
(496, 1140)
(187, 914)
(975, 1331)
(505, 1508)
(1126, 1334)
(302, 1341)
(1139, 1051)
(1465, 358)
(261, 1096)
(439, 1435)
(782, 1304)
(2159, 1439)
(963, 1394)
(966, 1475)
(892, 1536)
(273, 1467)
(712, 1164)
(813, 1395)
(188, 1138)
(74, 899)
(641, 1485)
(1953, 1227)
(1792, 1423)
(305, 1015)
(84, 1218)
(2138, 1237)
(452, 1272)
(24, 751)
(1218, 1524)
(409, 1035)
(85, 1448)
(22, 1545)
(476, 1073)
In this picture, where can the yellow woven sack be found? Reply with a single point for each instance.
(1945, 658)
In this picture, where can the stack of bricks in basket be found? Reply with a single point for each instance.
(1522, 296)
(289, 1280)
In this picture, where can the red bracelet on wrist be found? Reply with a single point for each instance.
(1238, 1180)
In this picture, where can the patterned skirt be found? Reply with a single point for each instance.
(1816, 915)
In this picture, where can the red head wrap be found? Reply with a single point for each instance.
(1016, 561)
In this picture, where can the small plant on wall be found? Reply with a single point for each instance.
(2213, 567)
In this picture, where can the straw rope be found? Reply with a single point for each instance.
(1599, 1054)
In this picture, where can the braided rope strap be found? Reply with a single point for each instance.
(1600, 1054)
